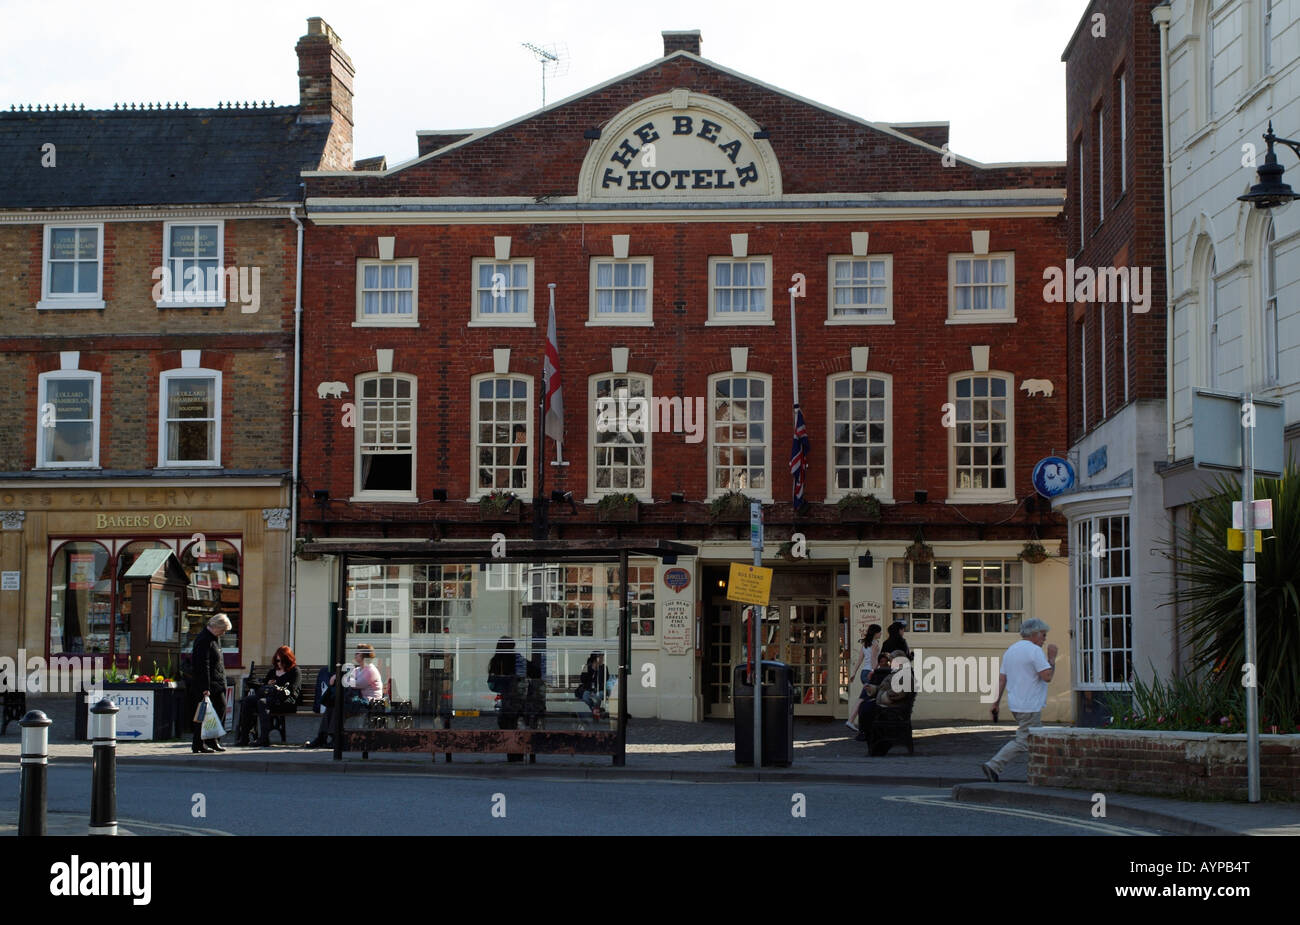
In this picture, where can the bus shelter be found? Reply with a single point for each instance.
(482, 646)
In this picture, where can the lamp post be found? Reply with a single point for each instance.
(1269, 193)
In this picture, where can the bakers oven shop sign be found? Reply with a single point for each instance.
(677, 147)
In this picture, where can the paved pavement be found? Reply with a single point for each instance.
(825, 751)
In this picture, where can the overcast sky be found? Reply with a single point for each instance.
(990, 67)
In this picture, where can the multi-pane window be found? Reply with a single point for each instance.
(67, 431)
(992, 595)
(1121, 105)
(190, 418)
(1208, 32)
(860, 435)
(1268, 284)
(921, 595)
(1266, 40)
(386, 436)
(193, 263)
(1103, 602)
(1101, 166)
(575, 614)
(861, 287)
(386, 291)
(981, 286)
(621, 290)
(1211, 291)
(503, 291)
(982, 435)
(738, 427)
(502, 451)
(621, 435)
(439, 594)
(1083, 370)
(74, 258)
(740, 290)
(1080, 170)
(640, 596)
(1105, 348)
(376, 594)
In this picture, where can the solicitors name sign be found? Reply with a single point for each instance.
(681, 145)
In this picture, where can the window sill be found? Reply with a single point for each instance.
(191, 303)
(994, 320)
(747, 322)
(641, 499)
(1265, 83)
(46, 466)
(835, 499)
(189, 464)
(512, 323)
(384, 497)
(1203, 132)
(862, 321)
(980, 499)
(759, 498)
(385, 324)
(70, 303)
(618, 323)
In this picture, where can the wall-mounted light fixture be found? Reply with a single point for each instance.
(866, 561)
(920, 496)
(564, 497)
(679, 497)
(440, 494)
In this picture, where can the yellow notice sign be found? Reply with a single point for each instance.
(1237, 540)
(749, 584)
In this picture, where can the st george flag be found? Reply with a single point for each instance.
(554, 420)
(799, 457)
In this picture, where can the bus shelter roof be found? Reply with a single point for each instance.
(515, 550)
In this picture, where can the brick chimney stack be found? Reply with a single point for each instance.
(325, 90)
(681, 41)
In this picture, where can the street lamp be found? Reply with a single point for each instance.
(1270, 192)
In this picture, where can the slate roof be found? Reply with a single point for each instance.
(156, 157)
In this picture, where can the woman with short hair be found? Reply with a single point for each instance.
(208, 677)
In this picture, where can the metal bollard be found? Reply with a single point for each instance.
(103, 774)
(34, 759)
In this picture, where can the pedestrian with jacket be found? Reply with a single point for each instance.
(279, 692)
(208, 679)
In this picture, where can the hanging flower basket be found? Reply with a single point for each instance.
(619, 508)
(499, 507)
(733, 507)
(1034, 553)
(858, 509)
(920, 552)
(304, 556)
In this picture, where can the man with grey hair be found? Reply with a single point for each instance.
(1024, 676)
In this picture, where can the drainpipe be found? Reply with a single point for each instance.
(1161, 16)
(297, 404)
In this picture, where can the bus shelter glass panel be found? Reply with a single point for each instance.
(484, 645)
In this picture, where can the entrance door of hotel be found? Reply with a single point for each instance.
(806, 642)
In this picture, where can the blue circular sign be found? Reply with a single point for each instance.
(1053, 476)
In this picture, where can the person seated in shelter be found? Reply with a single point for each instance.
(279, 692)
(591, 684)
(362, 683)
(868, 705)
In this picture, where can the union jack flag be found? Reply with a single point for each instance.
(799, 453)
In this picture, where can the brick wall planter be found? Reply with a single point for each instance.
(1190, 765)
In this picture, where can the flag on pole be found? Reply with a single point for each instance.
(554, 407)
(799, 456)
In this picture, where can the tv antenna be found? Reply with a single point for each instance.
(554, 59)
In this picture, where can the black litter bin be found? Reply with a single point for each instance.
(778, 714)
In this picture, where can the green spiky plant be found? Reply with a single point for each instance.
(1212, 599)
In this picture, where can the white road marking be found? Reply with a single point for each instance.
(1089, 825)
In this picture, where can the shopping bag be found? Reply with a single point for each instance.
(212, 728)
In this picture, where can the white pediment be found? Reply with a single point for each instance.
(679, 146)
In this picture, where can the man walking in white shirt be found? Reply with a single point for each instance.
(1025, 673)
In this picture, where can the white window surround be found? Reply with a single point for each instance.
(1268, 317)
(358, 494)
(1122, 105)
(214, 461)
(1210, 299)
(745, 317)
(884, 494)
(175, 297)
(759, 494)
(524, 319)
(621, 319)
(525, 492)
(43, 433)
(1101, 166)
(644, 493)
(71, 300)
(983, 315)
(883, 314)
(1083, 212)
(391, 319)
(984, 495)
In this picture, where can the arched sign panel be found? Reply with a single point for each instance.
(681, 145)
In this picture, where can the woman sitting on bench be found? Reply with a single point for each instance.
(363, 683)
(279, 692)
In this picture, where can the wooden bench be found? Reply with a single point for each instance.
(892, 726)
(306, 702)
(15, 708)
